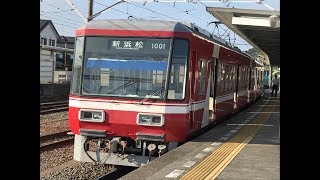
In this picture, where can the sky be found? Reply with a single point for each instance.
(66, 20)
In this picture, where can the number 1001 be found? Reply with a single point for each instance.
(158, 46)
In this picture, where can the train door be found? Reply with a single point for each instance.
(213, 81)
(237, 84)
(192, 90)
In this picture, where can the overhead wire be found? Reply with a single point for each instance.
(66, 25)
(153, 11)
(60, 20)
(47, 4)
(183, 11)
(64, 17)
(130, 15)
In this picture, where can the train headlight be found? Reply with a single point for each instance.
(150, 119)
(91, 115)
(145, 119)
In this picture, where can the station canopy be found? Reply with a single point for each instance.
(260, 28)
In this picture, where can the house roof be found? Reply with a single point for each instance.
(66, 39)
(70, 39)
(44, 23)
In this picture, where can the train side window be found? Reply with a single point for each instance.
(252, 78)
(226, 77)
(222, 77)
(258, 77)
(77, 65)
(233, 77)
(239, 77)
(243, 77)
(246, 83)
(202, 76)
(177, 78)
(229, 77)
(219, 74)
(261, 76)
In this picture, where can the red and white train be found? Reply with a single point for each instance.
(141, 87)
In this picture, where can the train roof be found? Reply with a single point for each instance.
(133, 24)
(159, 25)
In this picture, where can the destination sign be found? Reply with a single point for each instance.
(139, 44)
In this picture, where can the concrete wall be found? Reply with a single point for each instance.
(46, 71)
(54, 91)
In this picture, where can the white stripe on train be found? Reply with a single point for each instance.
(152, 108)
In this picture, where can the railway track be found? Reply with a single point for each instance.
(53, 106)
(50, 99)
(55, 140)
(55, 120)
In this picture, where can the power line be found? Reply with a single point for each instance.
(63, 17)
(60, 11)
(60, 20)
(63, 11)
(55, 6)
(186, 11)
(66, 25)
(202, 3)
(130, 15)
(71, 32)
(135, 4)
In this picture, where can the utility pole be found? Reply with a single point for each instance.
(91, 16)
(90, 9)
(65, 56)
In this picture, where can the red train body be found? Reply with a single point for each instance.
(141, 87)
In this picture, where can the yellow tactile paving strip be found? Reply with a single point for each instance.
(214, 164)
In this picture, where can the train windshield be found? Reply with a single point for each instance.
(128, 67)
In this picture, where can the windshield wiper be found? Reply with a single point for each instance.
(151, 94)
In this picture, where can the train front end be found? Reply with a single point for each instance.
(128, 100)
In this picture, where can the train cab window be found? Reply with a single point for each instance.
(177, 78)
(125, 67)
(202, 76)
(77, 65)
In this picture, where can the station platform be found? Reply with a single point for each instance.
(245, 146)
